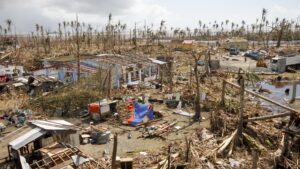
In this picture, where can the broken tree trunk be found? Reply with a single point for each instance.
(241, 111)
(226, 143)
(223, 93)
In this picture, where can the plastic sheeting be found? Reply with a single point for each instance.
(142, 112)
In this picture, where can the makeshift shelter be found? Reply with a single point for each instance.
(43, 133)
(142, 113)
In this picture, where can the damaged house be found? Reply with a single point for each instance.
(48, 143)
(124, 69)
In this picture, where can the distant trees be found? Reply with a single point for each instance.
(113, 35)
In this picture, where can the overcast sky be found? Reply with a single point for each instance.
(178, 13)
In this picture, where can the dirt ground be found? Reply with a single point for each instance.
(130, 147)
(234, 62)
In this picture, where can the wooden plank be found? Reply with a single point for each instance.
(63, 164)
(67, 155)
(60, 158)
(52, 160)
(114, 153)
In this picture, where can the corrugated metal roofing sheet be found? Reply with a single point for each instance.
(27, 138)
(53, 124)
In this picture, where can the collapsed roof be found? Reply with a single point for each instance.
(41, 127)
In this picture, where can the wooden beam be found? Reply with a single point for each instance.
(266, 99)
(114, 153)
(267, 117)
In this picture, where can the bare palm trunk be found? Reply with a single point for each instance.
(78, 50)
(197, 116)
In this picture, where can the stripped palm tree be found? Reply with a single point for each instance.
(37, 28)
(9, 24)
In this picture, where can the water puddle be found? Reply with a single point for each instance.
(277, 93)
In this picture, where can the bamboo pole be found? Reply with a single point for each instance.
(268, 117)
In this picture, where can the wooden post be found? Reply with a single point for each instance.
(9, 153)
(294, 92)
(255, 158)
(109, 84)
(241, 112)
(169, 157)
(114, 153)
(223, 93)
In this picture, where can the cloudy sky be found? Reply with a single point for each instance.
(178, 13)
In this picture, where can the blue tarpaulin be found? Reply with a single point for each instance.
(141, 111)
